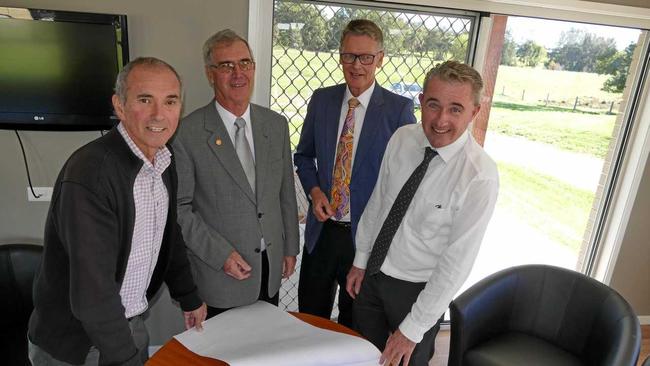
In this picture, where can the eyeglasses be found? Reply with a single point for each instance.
(228, 67)
(365, 59)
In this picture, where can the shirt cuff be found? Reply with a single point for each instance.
(412, 330)
(360, 259)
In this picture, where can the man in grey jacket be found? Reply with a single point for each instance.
(236, 197)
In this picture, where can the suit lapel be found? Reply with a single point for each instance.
(370, 127)
(261, 142)
(332, 116)
(223, 149)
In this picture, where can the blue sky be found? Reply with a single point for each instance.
(547, 32)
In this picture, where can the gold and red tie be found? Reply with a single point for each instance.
(343, 164)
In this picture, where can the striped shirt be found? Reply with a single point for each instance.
(151, 205)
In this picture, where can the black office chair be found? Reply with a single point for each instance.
(538, 315)
(18, 264)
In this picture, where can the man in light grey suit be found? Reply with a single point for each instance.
(236, 196)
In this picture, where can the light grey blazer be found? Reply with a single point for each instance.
(219, 213)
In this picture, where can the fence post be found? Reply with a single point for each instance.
(546, 102)
(611, 107)
(575, 105)
(522, 94)
(503, 90)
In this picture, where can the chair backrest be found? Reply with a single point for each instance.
(572, 311)
(18, 265)
(568, 309)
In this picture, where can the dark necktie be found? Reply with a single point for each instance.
(396, 214)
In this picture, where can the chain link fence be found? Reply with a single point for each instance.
(305, 57)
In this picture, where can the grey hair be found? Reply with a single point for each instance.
(454, 71)
(226, 36)
(363, 27)
(121, 84)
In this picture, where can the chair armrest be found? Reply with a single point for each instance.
(480, 313)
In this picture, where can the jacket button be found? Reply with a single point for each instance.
(259, 215)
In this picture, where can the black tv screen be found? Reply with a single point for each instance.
(58, 69)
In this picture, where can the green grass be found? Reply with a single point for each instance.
(555, 208)
(558, 85)
(584, 132)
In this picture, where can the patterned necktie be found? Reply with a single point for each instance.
(396, 214)
(343, 166)
(243, 150)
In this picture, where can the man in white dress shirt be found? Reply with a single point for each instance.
(430, 252)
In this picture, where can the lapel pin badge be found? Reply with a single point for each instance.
(218, 142)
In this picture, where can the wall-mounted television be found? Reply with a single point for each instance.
(58, 68)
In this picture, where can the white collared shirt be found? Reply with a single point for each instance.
(229, 121)
(440, 235)
(359, 117)
(151, 202)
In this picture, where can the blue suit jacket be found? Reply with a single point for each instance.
(316, 150)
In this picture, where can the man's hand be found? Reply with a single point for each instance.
(196, 317)
(237, 267)
(354, 280)
(320, 205)
(398, 347)
(288, 266)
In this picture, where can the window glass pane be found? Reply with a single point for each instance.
(555, 116)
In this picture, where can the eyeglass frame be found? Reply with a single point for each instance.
(227, 67)
(358, 57)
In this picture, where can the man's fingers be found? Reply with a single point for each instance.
(329, 210)
(236, 272)
(407, 358)
(348, 287)
(357, 287)
(199, 326)
(244, 267)
(321, 213)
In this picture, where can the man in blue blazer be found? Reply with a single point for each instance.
(338, 158)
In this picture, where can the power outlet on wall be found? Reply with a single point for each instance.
(44, 194)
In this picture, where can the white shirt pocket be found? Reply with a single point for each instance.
(431, 223)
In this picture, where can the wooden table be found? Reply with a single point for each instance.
(173, 353)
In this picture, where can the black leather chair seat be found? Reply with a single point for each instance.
(542, 315)
(519, 349)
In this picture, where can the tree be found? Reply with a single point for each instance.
(336, 24)
(314, 32)
(508, 52)
(579, 50)
(458, 50)
(531, 53)
(439, 44)
(618, 68)
(395, 30)
(287, 23)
